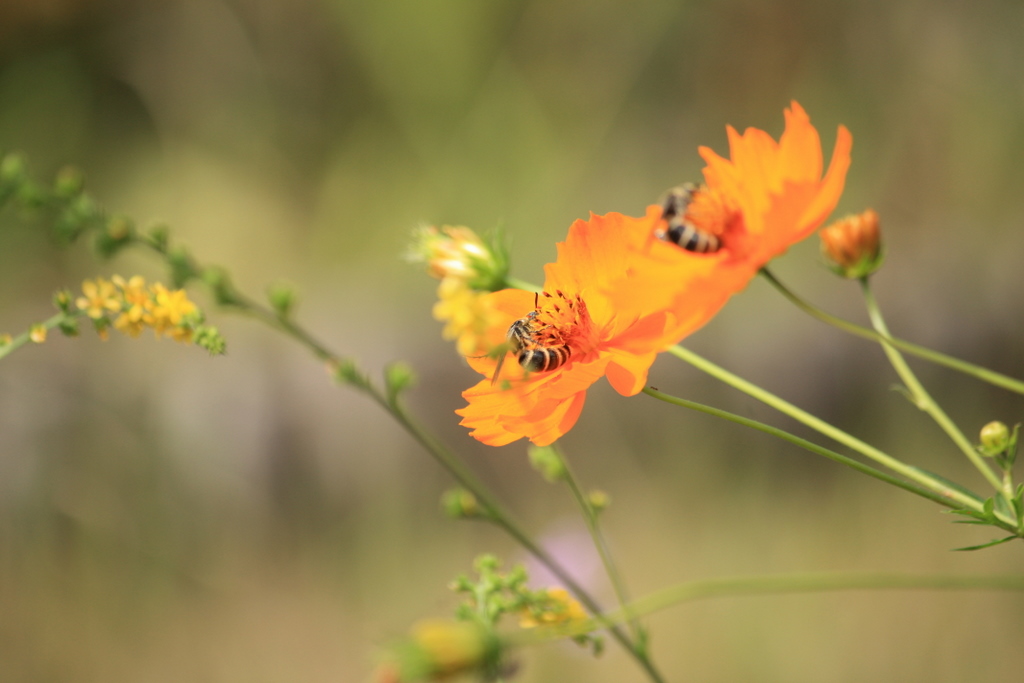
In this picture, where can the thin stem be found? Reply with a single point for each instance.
(802, 443)
(963, 499)
(444, 457)
(593, 527)
(516, 283)
(920, 396)
(984, 374)
(780, 584)
(25, 337)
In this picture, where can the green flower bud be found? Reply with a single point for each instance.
(12, 169)
(599, 500)
(69, 182)
(460, 504)
(546, 460)
(995, 438)
(282, 298)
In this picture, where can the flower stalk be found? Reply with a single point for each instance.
(983, 374)
(802, 443)
(601, 544)
(958, 497)
(920, 397)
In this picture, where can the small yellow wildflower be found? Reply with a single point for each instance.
(467, 315)
(168, 312)
(5, 339)
(560, 609)
(100, 297)
(37, 333)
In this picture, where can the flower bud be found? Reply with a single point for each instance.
(460, 504)
(995, 438)
(547, 461)
(853, 245)
(282, 298)
(458, 252)
(12, 169)
(599, 500)
(69, 182)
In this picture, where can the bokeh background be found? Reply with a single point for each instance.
(165, 516)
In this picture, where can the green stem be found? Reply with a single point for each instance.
(516, 283)
(448, 461)
(802, 443)
(26, 337)
(984, 374)
(961, 498)
(774, 585)
(590, 518)
(920, 396)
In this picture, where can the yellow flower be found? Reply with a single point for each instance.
(168, 311)
(100, 297)
(136, 304)
(558, 609)
(468, 316)
(37, 333)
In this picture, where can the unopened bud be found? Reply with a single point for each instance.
(995, 437)
(853, 245)
(458, 252)
(69, 182)
(460, 504)
(599, 500)
(547, 461)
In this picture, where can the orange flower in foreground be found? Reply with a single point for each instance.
(765, 197)
(573, 312)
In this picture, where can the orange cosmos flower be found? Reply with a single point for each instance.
(575, 323)
(765, 197)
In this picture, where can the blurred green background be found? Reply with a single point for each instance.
(165, 516)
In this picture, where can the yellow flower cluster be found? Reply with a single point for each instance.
(460, 259)
(166, 312)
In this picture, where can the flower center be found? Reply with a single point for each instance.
(562, 320)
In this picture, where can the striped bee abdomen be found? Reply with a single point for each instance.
(543, 358)
(682, 232)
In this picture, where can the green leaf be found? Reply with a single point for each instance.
(986, 545)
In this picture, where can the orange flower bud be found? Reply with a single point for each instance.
(853, 244)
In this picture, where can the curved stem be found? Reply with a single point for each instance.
(984, 374)
(960, 497)
(601, 544)
(920, 396)
(802, 443)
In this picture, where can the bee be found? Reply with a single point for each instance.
(533, 355)
(682, 232)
